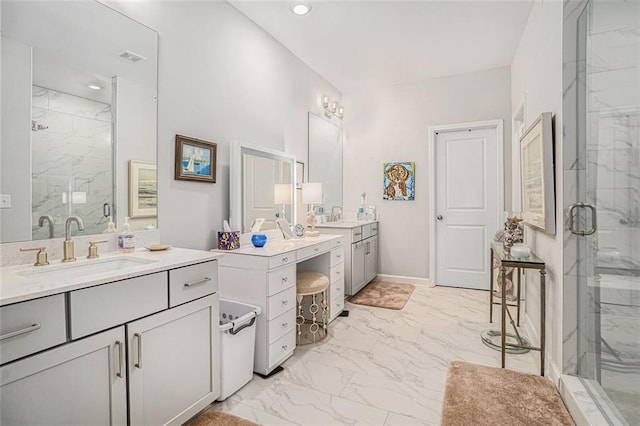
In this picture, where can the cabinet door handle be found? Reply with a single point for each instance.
(339, 256)
(138, 336)
(202, 281)
(120, 359)
(25, 330)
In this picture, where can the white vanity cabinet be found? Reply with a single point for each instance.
(361, 254)
(266, 277)
(146, 345)
(82, 382)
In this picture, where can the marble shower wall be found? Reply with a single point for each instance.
(71, 153)
(612, 133)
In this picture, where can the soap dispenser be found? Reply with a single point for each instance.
(111, 227)
(126, 238)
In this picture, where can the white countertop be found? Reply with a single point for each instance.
(274, 247)
(345, 225)
(15, 287)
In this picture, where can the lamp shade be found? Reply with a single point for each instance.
(312, 193)
(282, 193)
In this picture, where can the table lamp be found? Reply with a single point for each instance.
(282, 195)
(311, 194)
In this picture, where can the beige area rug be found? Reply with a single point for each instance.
(382, 294)
(478, 395)
(218, 418)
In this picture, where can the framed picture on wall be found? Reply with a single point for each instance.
(195, 160)
(299, 174)
(538, 190)
(143, 189)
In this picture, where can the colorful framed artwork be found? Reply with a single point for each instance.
(195, 159)
(399, 181)
(143, 189)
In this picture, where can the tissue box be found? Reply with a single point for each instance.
(228, 240)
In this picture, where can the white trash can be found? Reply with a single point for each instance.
(237, 343)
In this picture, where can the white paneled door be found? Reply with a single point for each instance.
(467, 205)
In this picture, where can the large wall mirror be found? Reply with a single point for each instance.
(325, 159)
(262, 187)
(79, 110)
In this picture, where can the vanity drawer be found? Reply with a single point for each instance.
(337, 306)
(281, 302)
(98, 308)
(192, 282)
(336, 273)
(282, 259)
(366, 231)
(374, 229)
(281, 348)
(337, 256)
(337, 243)
(337, 289)
(356, 234)
(282, 324)
(31, 326)
(303, 253)
(281, 279)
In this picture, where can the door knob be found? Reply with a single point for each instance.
(439, 217)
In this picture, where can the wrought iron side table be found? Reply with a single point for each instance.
(507, 261)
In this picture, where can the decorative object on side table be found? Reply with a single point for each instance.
(512, 233)
(299, 230)
(195, 159)
(258, 240)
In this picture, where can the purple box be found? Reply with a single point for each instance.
(228, 240)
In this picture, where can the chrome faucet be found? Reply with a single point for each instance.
(68, 242)
(46, 218)
(336, 213)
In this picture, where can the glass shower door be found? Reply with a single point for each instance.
(607, 220)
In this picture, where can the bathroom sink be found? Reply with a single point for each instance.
(81, 268)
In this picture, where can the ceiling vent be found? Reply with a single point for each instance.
(130, 56)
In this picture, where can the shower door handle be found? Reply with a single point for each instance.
(594, 221)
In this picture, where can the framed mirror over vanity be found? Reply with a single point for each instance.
(79, 86)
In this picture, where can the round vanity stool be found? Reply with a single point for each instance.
(312, 285)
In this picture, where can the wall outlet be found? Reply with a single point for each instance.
(5, 201)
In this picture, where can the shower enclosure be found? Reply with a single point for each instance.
(601, 156)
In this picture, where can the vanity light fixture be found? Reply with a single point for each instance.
(95, 87)
(300, 8)
(332, 108)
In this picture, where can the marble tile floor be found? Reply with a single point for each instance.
(378, 366)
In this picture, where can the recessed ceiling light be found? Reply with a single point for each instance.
(300, 8)
(95, 87)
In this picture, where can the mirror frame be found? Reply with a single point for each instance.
(236, 184)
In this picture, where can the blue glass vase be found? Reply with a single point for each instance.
(258, 240)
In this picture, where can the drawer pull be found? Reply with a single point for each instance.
(339, 256)
(285, 279)
(202, 281)
(285, 324)
(316, 249)
(285, 302)
(25, 330)
(120, 359)
(338, 273)
(285, 259)
(138, 336)
(285, 347)
(358, 233)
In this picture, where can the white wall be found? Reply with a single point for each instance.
(391, 124)
(536, 75)
(15, 146)
(221, 78)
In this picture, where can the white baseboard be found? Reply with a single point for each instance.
(404, 280)
(552, 372)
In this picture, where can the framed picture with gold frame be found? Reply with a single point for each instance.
(537, 178)
(143, 189)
